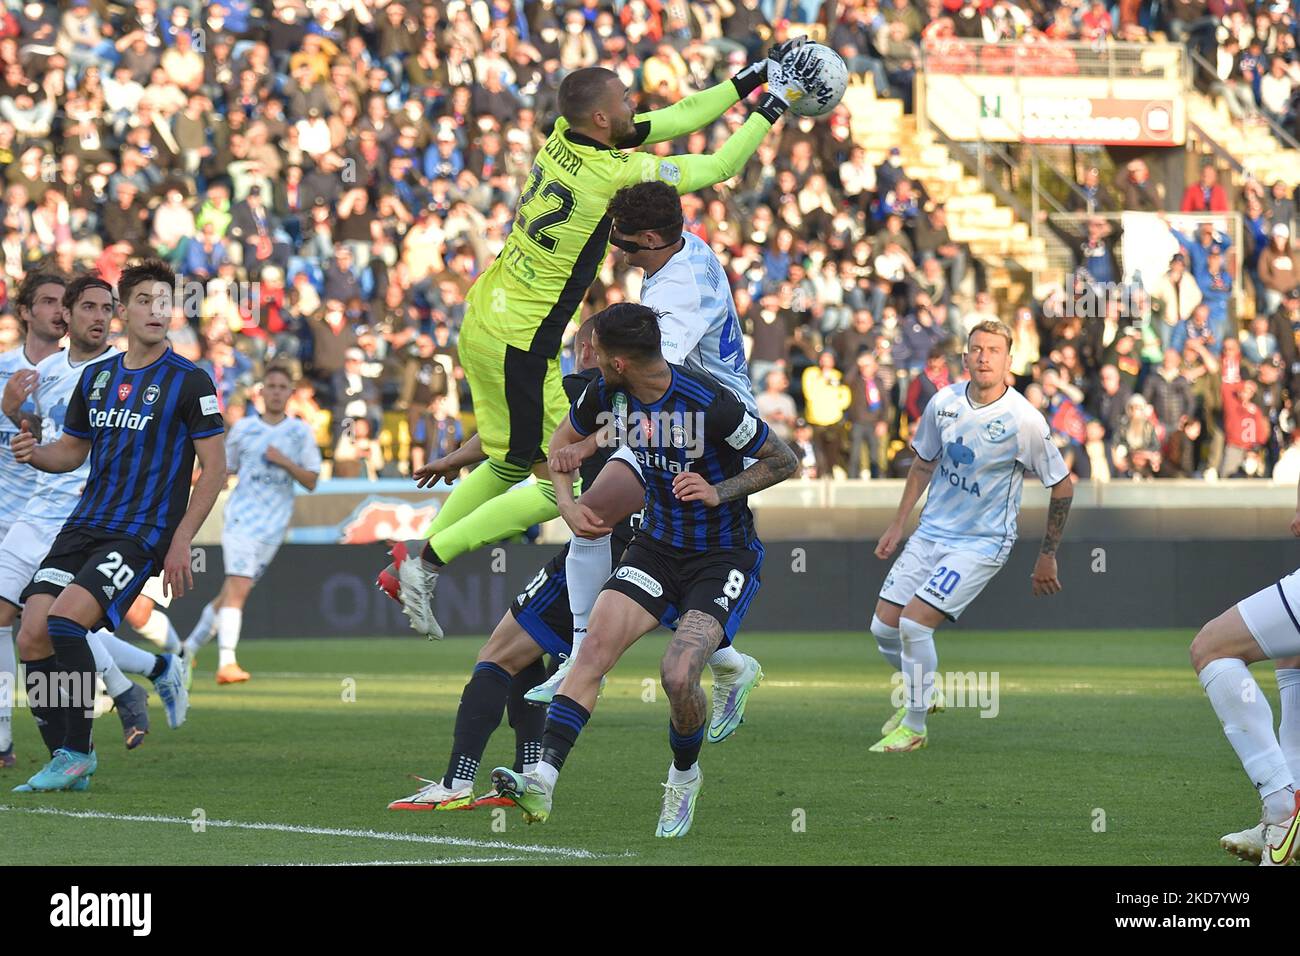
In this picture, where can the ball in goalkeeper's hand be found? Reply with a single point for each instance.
(812, 79)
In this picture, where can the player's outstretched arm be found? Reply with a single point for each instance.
(918, 479)
(211, 452)
(568, 451)
(57, 457)
(1045, 579)
(775, 462)
(690, 172)
(700, 109)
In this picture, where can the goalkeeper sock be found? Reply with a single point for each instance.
(528, 720)
(504, 516)
(482, 703)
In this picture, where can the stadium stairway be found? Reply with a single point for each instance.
(1252, 145)
(994, 233)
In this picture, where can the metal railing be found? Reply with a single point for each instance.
(1036, 58)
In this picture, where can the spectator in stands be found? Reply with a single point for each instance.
(1276, 89)
(1137, 192)
(1277, 272)
(1258, 345)
(825, 400)
(1108, 400)
(1206, 195)
(1090, 197)
(1136, 451)
(776, 406)
(436, 434)
(805, 448)
(1244, 424)
(1097, 252)
(356, 454)
(869, 416)
(1202, 327)
(1173, 298)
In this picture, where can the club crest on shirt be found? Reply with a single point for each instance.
(996, 430)
(151, 394)
(101, 380)
(123, 392)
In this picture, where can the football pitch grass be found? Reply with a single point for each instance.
(1103, 751)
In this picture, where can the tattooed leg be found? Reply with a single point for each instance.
(698, 636)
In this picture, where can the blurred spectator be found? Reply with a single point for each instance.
(1244, 424)
(436, 434)
(356, 453)
(825, 400)
(869, 416)
(1206, 195)
(776, 406)
(1136, 452)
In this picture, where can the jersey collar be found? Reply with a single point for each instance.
(979, 408)
(582, 139)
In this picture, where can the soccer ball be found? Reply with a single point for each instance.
(817, 78)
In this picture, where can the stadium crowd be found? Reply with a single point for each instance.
(330, 177)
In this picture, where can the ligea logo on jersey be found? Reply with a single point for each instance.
(119, 418)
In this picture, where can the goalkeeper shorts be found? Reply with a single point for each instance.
(519, 397)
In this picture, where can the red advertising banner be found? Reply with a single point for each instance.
(1098, 121)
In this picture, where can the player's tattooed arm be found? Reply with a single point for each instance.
(1058, 511)
(697, 637)
(776, 462)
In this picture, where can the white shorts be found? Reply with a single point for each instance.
(946, 579)
(153, 590)
(24, 548)
(624, 454)
(1273, 617)
(246, 557)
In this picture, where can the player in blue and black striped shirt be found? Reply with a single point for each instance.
(696, 554)
(142, 416)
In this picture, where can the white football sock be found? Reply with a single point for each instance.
(919, 661)
(1288, 735)
(229, 621)
(159, 632)
(547, 774)
(586, 569)
(8, 686)
(726, 662)
(203, 631)
(1248, 723)
(888, 642)
(678, 777)
(115, 682)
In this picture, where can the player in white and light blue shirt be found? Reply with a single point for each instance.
(40, 312)
(270, 455)
(974, 443)
(700, 329)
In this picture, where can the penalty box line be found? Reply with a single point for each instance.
(420, 838)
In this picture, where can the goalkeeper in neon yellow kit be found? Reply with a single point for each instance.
(518, 309)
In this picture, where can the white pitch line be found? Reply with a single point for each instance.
(448, 862)
(311, 831)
